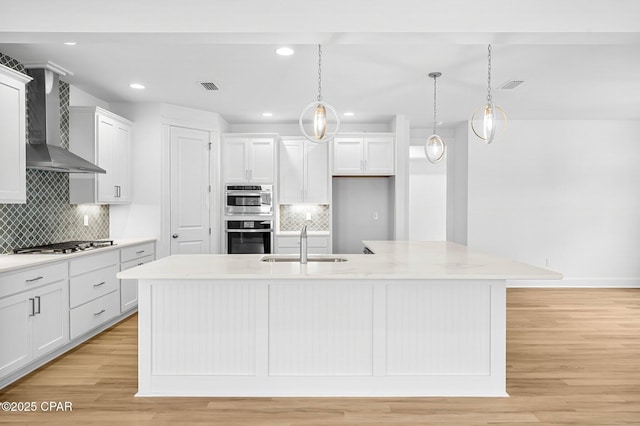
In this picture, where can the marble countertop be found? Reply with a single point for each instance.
(391, 260)
(10, 262)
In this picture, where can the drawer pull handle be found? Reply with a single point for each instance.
(99, 284)
(141, 263)
(140, 252)
(101, 312)
(35, 279)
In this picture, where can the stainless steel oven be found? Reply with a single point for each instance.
(248, 200)
(249, 236)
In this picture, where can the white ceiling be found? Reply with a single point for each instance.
(579, 60)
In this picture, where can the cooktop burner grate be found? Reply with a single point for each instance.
(64, 247)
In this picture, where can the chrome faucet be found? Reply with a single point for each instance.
(303, 245)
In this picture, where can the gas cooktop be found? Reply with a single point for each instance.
(65, 247)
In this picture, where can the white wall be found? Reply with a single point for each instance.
(78, 97)
(563, 194)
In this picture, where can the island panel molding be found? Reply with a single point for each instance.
(321, 338)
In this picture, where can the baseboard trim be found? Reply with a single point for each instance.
(577, 283)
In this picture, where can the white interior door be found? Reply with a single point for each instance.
(190, 196)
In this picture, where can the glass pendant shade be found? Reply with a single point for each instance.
(320, 121)
(488, 122)
(434, 148)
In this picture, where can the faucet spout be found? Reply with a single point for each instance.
(303, 245)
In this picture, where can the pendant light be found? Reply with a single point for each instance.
(320, 122)
(434, 148)
(492, 116)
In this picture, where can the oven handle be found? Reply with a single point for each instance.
(250, 194)
(248, 230)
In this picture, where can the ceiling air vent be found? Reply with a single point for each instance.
(511, 84)
(209, 86)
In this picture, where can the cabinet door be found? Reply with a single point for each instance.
(347, 155)
(261, 160)
(291, 171)
(378, 155)
(316, 176)
(14, 332)
(121, 163)
(105, 137)
(129, 288)
(12, 141)
(234, 160)
(50, 323)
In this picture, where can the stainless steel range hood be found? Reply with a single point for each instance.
(43, 149)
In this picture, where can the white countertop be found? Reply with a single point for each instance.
(392, 260)
(10, 262)
(297, 233)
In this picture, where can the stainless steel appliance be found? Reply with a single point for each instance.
(248, 200)
(249, 236)
(65, 247)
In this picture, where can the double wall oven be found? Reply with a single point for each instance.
(248, 219)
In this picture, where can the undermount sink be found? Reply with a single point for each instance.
(276, 258)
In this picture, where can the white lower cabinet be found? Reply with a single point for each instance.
(93, 287)
(131, 257)
(48, 308)
(316, 244)
(34, 321)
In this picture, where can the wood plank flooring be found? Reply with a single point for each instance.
(573, 357)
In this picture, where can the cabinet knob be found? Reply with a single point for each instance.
(175, 235)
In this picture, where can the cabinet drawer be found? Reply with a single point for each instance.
(294, 242)
(93, 314)
(93, 262)
(32, 278)
(91, 285)
(135, 252)
(137, 262)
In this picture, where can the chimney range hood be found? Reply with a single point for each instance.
(43, 108)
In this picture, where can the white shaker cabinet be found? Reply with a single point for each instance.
(12, 136)
(248, 158)
(304, 172)
(131, 257)
(36, 318)
(367, 154)
(103, 138)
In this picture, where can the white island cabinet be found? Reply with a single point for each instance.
(413, 319)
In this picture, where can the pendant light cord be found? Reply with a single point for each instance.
(489, 77)
(435, 90)
(319, 73)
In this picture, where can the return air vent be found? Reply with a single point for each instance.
(209, 86)
(511, 84)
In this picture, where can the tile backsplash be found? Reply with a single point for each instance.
(47, 215)
(294, 216)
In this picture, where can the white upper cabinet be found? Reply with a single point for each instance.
(304, 172)
(364, 154)
(12, 136)
(248, 158)
(103, 138)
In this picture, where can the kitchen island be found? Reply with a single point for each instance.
(412, 319)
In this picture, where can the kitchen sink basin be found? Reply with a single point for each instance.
(277, 258)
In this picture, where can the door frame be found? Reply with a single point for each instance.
(208, 124)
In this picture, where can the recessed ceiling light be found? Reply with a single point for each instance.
(70, 43)
(349, 114)
(137, 86)
(267, 114)
(284, 51)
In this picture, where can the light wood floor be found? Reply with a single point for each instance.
(573, 357)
